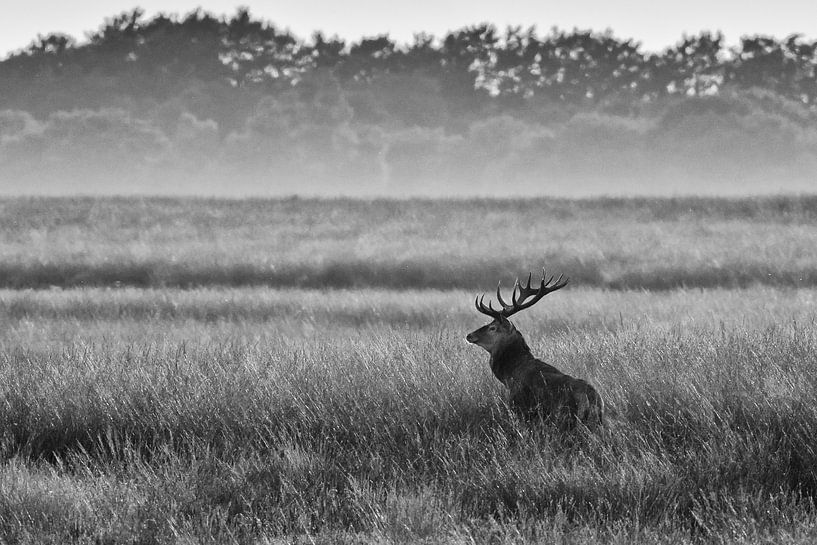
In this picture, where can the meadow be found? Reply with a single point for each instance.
(328, 395)
(613, 243)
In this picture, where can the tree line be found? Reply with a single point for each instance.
(200, 102)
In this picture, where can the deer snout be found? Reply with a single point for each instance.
(471, 338)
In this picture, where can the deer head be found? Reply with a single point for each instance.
(500, 331)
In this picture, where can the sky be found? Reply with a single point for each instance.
(654, 23)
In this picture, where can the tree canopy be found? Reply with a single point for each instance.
(202, 101)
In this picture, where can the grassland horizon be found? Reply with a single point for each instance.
(614, 243)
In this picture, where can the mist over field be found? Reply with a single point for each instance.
(199, 105)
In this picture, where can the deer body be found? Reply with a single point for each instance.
(536, 388)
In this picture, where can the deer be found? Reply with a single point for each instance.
(537, 389)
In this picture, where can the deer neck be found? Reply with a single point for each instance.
(507, 357)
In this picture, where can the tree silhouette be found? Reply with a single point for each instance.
(693, 67)
(248, 93)
(787, 67)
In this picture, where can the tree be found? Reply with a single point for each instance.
(787, 67)
(693, 67)
(465, 57)
(366, 59)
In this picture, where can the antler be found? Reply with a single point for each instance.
(522, 297)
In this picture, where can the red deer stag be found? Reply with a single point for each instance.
(536, 388)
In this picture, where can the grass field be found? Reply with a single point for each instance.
(653, 244)
(244, 412)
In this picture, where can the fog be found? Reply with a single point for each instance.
(235, 107)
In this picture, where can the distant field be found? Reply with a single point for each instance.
(647, 243)
(361, 416)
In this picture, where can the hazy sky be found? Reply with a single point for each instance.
(655, 23)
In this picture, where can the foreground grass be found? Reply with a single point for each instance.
(356, 416)
(636, 243)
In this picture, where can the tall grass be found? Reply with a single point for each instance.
(640, 243)
(362, 416)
